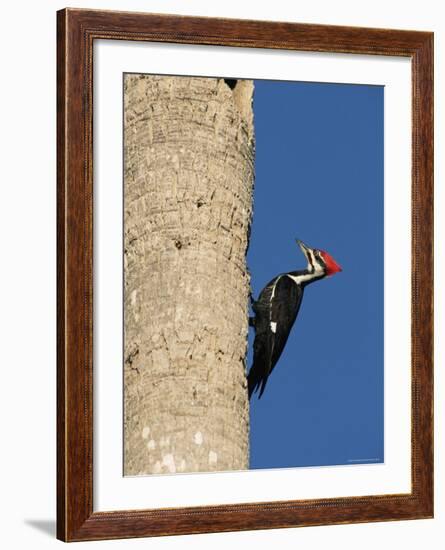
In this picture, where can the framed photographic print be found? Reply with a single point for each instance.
(245, 228)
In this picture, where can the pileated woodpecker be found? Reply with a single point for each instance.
(276, 310)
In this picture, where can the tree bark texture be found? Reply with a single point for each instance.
(189, 150)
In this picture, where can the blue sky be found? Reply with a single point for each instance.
(319, 177)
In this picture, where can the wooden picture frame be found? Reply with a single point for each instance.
(76, 32)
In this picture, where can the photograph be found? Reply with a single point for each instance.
(253, 277)
(223, 272)
(244, 274)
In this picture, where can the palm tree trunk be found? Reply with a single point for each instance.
(189, 150)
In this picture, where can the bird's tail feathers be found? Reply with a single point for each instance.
(252, 383)
(263, 386)
(255, 380)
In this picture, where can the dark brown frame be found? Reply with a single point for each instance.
(76, 32)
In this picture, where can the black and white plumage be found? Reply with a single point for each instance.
(277, 308)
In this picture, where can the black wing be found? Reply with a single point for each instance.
(275, 312)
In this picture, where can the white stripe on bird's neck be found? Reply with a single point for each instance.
(315, 271)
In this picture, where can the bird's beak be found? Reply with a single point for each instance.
(305, 249)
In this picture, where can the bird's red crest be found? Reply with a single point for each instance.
(331, 265)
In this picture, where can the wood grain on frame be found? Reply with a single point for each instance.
(76, 31)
